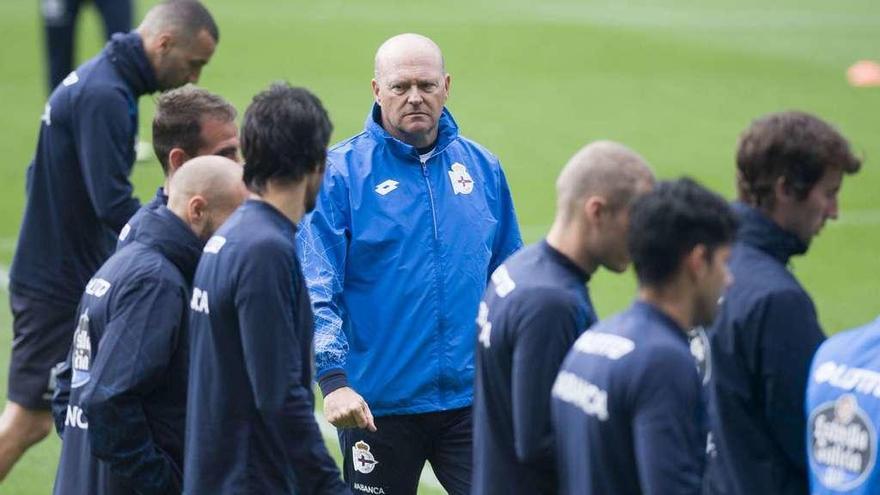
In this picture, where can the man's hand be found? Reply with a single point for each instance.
(345, 408)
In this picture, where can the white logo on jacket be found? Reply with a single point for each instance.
(81, 356)
(214, 244)
(97, 287)
(199, 301)
(386, 187)
(462, 183)
(47, 114)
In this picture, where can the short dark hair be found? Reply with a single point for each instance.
(178, 120)
(284, 135)
(670, 221)
(191, 17)
(797, 146)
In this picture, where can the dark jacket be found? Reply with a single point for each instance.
(535, 307)
(78, 191)
(762, 342)
(121, 398)
(129, 230)
(250, 425)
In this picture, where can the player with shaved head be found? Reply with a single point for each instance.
(121, 399)
(410, 222)
(535, 307)
(79, 197)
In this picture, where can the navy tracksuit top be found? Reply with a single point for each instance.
(762, 343)
(535, 307)
(121, 397)
(78, 190)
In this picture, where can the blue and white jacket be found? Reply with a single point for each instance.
(843, 410)
(397, 254)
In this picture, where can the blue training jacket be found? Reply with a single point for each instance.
(762, 343)
(129, 230)
(121, 397)
(78, 192)
(250, 423)
(532, 312)
(397, 254)
(843, 410)
(628, 409)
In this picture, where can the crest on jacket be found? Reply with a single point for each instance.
(82, 352)
(363, 460)
(462, 183)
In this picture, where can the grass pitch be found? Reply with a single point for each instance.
(533, 81)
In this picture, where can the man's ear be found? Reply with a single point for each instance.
(375, 85)
(782, 190)
(176, 158)
(164, 42)
(696, 262)
(197, 209)
(594, 208)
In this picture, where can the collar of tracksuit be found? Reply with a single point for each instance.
(447, 132)
(164, 231)
(126, 52)
(757, 230)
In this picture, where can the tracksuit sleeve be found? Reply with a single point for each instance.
(544, 337)
(507, 238)
(787, 351)
(61, 396)
(104, 145)
(667, 434)
(323, 241)
(135, 351)
(264, 301)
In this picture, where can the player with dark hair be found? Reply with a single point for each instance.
(628, 408)
(189, 122)
(790, 168)
(121, 397)
(412, 219)
(535, 307)
(79, 196)
(250, 425)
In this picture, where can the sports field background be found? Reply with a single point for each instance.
(533, 81)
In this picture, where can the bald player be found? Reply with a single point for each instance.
(120, 405)
(411, 220)
(536, 306)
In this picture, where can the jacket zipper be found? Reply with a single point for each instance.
(431, 197)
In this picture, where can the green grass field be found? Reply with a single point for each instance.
(533, 81)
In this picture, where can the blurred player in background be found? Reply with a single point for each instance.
(79, 197)
(120, 407)
(628, 405)
(188, 122)
(843, 410)
(250, 424)
(533, 310)
(411, 221)
(790, 168)
(59, 20)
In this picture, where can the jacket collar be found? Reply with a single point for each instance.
(447, 133)
(759, 231)
(163, 231)
(564, 261)
(126, 52)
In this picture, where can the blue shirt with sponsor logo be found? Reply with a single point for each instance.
(250, 415)
(78, 190)
(842, 411)
(397, 255)
(628, 410)
(129, 230)
(120, 401)
(535, 307)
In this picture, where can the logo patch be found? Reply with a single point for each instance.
(386, 187)
(504, 283)
(47, 114)
(363, 459)
(123, 234)
(199, 301)
(82, 352)
(843, 443)
(97, 287)
(462, 183)
(71, 79)
(214, 244)
(606, 345)
(485, 325)
(700, 349)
